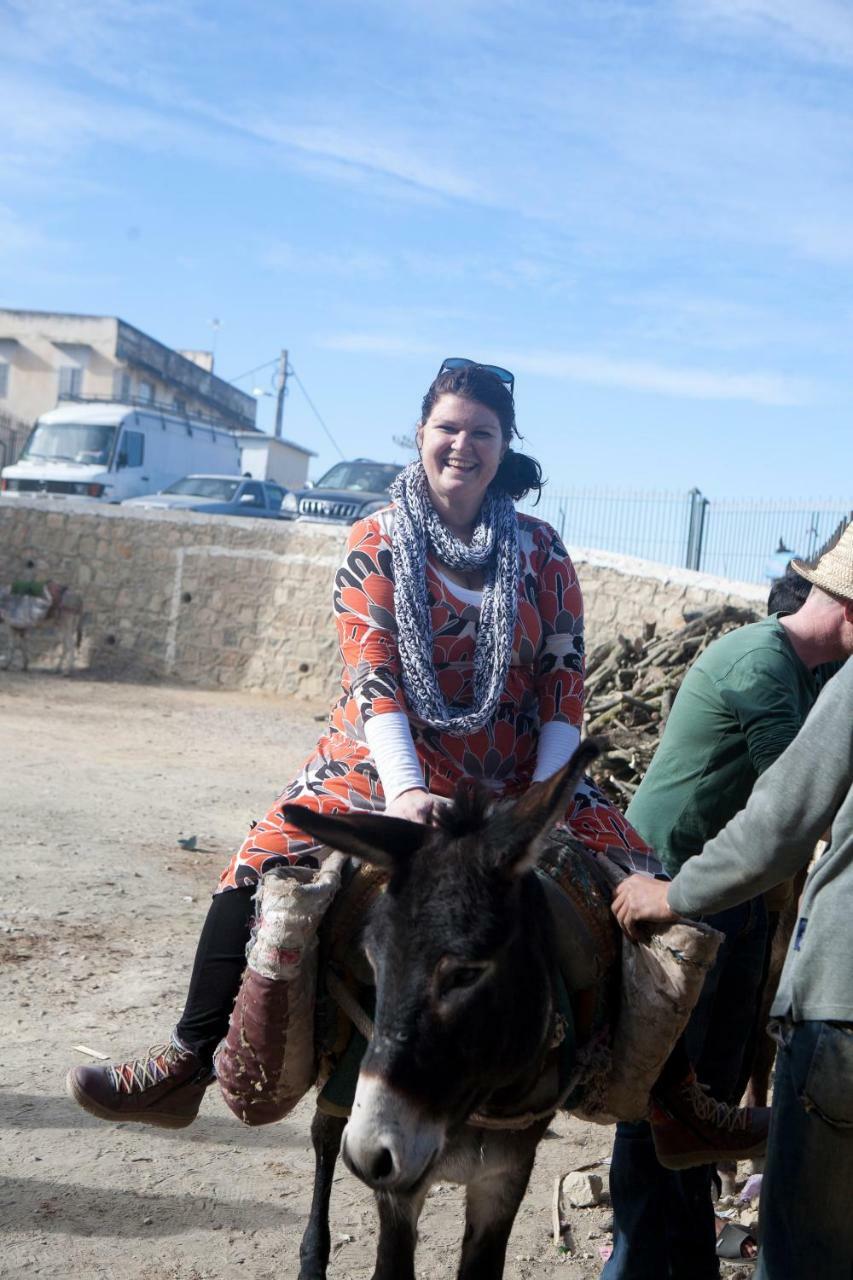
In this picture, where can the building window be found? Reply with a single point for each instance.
(146, 392)
(70, 380)
(122, 385)
(4, 379)
(180, 406)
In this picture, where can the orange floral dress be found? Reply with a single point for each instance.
(544, 683)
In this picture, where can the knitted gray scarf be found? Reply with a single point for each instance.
(494, 547)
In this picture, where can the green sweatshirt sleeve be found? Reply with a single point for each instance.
(791, 806)
(763, 705)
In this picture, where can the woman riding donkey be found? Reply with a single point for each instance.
(461, 629)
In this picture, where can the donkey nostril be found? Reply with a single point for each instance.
(383, 1166)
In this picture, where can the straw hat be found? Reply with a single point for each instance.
(833, 570)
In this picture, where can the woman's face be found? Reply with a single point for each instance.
(461, 449)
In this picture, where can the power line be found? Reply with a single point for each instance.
(292, 371)
(256, 370)
(315, 410)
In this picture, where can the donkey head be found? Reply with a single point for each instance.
(460, 949)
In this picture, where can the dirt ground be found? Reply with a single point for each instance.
(99, 915)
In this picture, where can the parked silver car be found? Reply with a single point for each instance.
(217, 496)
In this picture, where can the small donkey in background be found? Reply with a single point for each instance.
(27, 605)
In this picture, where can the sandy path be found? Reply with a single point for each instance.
(99, 914)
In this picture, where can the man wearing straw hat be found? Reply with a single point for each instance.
(806, 1220)
(739, 708)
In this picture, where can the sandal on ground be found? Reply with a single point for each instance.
(732, 1239)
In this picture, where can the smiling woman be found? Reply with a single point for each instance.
(460, 623)
(467, 426)
(461, 448)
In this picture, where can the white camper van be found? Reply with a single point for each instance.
(115, 451)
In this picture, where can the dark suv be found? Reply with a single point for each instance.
(344, 494)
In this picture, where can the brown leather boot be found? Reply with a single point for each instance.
(164, 1088)
(690, 1127)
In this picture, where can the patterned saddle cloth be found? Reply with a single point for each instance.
(26, 603)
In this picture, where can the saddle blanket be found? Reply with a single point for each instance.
(25, 604)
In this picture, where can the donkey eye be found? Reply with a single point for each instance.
(460, 978)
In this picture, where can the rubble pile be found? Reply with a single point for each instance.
(630, 687)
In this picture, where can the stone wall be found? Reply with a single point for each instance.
(200, 599)
(246, 603)
(622, 593)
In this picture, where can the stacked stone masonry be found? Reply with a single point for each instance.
(246, 603)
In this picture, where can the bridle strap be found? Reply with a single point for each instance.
(362, 1021)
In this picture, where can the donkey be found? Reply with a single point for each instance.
(463, 955)
(21, 611)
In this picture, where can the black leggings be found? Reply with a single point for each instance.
(220, 959)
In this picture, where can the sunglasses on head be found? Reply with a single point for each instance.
(459, 362)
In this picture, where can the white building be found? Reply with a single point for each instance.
(48, 356)
(268, 458)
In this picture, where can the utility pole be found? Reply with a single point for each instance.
(282, 391)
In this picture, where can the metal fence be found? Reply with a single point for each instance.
(743, 538)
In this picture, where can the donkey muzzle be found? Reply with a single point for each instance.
(388, 1143)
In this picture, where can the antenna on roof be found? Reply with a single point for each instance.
(216, 325)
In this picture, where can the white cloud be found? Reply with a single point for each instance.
(356, 264)
(665, 318)
(821, 29)
(826, 238)
(579, 139)
(385, 344)
(592, 167)
(528, 269)
(389, 151)
(98, 35)
(119, 45)
(688, 383)
(18, 236)
(52, 124)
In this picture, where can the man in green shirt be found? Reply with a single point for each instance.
(740, 706)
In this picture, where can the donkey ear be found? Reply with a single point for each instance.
(371, 837)
(543, 804)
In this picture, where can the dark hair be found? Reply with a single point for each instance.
(518, 473)
(788, 593)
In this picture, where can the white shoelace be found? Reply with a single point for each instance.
(721, 1114)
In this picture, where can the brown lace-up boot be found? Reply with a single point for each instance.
(690, 1127)
(164, 1088)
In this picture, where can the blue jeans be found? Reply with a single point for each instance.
(663, 1222)
(807, 1194)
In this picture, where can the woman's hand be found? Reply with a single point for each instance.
(415, 805)
(638, 899)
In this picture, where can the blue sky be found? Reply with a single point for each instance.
(645, 209)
